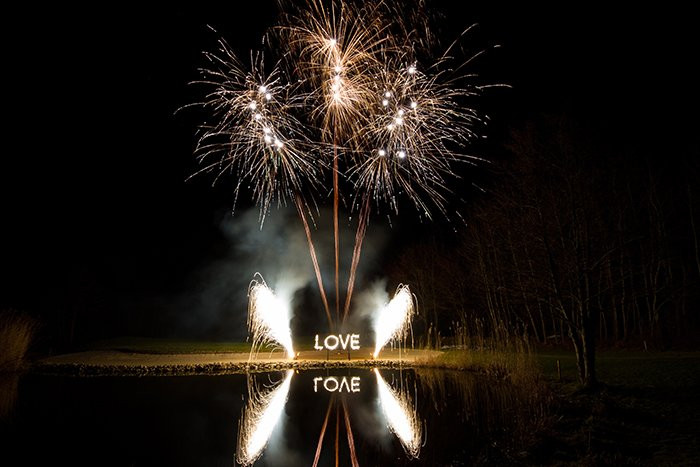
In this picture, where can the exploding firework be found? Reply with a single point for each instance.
(255, 134)
(401, 416)
(260, 416)
(268, 318)
(413, 140)
(337, 48)
(394, 320)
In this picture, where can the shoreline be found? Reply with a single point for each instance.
(115, 363)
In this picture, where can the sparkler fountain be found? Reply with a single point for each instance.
(394, 319)
(268, 318)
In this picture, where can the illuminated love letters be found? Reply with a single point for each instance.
(332, 342)
(331, 384)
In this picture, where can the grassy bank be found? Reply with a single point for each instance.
(150, 345)
(154, 345)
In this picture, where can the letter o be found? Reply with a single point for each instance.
(328, 346)
(325, 384)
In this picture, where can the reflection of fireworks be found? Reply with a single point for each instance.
(394, 319)
(401, 416)
(260, 417)
(268, 318)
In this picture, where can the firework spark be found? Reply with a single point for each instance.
(268, 318)
(401, 416)
(261, 415)
(394, 320)
(419, 128)
(337, 46)
(255, 133)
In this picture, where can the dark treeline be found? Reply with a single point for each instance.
(577, 241)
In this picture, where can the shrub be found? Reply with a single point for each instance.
(16, 333)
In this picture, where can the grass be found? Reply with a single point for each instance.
(643, 414)
(665, 369)
(16, 333)
(154, 345)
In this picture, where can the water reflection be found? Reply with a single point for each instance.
(260, 417)
(263, 410)
(357, 416)
(401, 416)
(364, 416)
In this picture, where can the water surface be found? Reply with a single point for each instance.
(408, 417)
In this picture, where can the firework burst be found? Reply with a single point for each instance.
(255, 133)
(414, 138)
(337, 46)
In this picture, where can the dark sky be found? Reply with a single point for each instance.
(95, 160)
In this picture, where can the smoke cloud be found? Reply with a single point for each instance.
(216, 304)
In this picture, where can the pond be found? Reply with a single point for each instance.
(359, 416)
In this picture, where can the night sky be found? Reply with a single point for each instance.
(94, 198)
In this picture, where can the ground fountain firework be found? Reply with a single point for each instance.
(393, 321)
(268, 318)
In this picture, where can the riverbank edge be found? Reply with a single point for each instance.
(220, 368)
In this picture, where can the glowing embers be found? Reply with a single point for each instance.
(268, 318)
(394, 320)
(401, 416)
(261, 415)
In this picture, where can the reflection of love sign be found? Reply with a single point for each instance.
(332, 342)
(333, 384)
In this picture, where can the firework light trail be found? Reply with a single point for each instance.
(338, 46)
(261, 415)
(394, 320)
(401, 416)
(268, 318)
